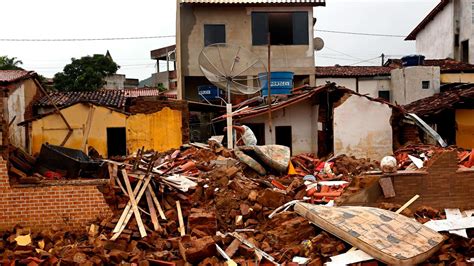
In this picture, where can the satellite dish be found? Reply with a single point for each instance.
(231, 68)
(234, 69)
(318, 43)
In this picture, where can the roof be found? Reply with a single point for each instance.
(441, 101)
(110, 98)
(352, 71)
(162, 53)
(133, 93)
(9, 76)
(296, 97)
(447, 65)
(436, 10)
(257, 2)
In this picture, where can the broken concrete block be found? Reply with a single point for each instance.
(270, 198)
(203, 221)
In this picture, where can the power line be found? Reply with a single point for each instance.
(334, 50)
(84, 39)
(362, 33)
(365, 60)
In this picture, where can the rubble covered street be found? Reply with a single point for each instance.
(198, 200)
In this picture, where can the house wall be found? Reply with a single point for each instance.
(296, 58)
(443, 185)
(302, 118)
(457, 77)
(69, 206)
(115, 81)
(52, 129)
(407, 83)
(362, 128)
(19, 100)
(436, 40)
(161, 130)
(367, 86)
(464, 128)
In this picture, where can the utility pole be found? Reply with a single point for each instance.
(383, 58)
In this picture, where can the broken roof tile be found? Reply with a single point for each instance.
(9, 76)
(352, 71)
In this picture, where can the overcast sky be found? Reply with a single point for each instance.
(104, 19)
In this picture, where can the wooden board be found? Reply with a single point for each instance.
(388, 237)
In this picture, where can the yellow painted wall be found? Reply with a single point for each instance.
(52, 129)
(457, 77)
(160, 131)
(465, 128)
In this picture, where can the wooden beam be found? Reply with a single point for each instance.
(151, 207)
(182, 230)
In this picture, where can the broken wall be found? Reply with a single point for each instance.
(362, 128)
(442, 185)
(68, 205)
(51, 128)
(303, 119)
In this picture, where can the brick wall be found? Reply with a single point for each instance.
(443, 185)
(69, 206)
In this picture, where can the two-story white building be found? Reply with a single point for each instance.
(245, 23)
(447, 31)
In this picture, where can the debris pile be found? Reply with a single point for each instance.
(202, 205)
(414, 157)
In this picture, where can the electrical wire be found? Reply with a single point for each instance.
(362, 33)
(366, 60)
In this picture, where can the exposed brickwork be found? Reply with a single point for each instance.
(443, 187)
(70, 206)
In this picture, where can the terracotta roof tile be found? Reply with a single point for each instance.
(111, 98)
(9, 76)
(447, 65)
(441, 101)
(352, 71)
(133, 93)
(311, 2)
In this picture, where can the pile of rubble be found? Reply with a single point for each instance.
(414, 157)
(200, 205)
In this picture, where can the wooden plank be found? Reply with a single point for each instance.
(134, 207)
(127, 208)
(453, 214)
(406, 205)
(154, 218)
(182, 230)
(130, 212)
(157, 203)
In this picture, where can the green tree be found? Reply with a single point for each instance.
(85, 74)
(7, 63)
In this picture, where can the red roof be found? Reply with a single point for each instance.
(441, 101)
(9, 76)
(427, 19)
(110, 98)
(352, 71)
(447, 65)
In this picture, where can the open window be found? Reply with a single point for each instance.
(214, 33)
(385, 95)
(465, 51)
(285, 28)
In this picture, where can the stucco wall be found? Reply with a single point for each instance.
(160, 131)
(457, 77)
(407, 83)
(465, 128)
(367, 86)
(237, 21)
(436, 40)
(52, 129)
(16, 109)
(302, 118)
(362, 128)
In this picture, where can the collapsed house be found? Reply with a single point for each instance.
(113, 122)
(323, 120)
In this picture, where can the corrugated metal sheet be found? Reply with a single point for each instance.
(311, 2)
